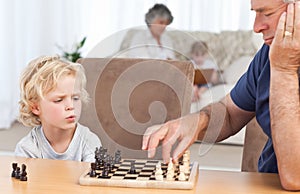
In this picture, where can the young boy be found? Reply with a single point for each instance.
(200, 58)
(52, 91)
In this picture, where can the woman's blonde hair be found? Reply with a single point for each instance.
(39, 78)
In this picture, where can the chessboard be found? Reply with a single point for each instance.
(140, 174)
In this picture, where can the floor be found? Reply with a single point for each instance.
(217, 156)
(221, 156)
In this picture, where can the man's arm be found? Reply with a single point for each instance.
(213, 123)
(226, 119)
(284, 97)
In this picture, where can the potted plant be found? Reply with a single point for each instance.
(75, 54)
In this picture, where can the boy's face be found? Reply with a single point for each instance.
(198, 58)
(61, 107)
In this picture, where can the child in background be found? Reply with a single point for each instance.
(201, 60)
(52, 91)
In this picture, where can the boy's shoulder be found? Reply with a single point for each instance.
(85, 132)
(86, 137)
(28, 145)
(32, 136)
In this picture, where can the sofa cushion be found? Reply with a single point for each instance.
(225, 47)
(234, 71)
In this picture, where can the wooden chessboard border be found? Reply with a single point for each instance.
(85, 180)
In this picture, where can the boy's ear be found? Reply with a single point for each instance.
(35, 109)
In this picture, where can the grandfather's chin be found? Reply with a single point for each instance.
(268, 41)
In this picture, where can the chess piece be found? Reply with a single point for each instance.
(170, 175)
(105, 172)
(96, 153)
(14, 171)
(170, 168)
(188, 153)
(132, 168)
(98, 162)
(18, 172)
(109, 163)
(170, 164)
(112, 162)
(93, 173)
(118, 157)
(186, 161)
(23, 174)
(170, 171)
(158, 172)
(181, 176)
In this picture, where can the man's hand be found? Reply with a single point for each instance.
(184, 130)
(285, 48)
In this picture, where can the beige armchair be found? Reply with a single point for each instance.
(129, 95)
(255, 139)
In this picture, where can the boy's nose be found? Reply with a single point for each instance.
(69, 108)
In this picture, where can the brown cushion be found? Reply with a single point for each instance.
(129, 95)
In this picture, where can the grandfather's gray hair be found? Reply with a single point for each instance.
(158, 10)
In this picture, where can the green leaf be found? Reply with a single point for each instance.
(75, 55)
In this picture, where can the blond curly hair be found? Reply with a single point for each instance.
(39, 78)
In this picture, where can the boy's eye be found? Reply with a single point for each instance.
(76, 98)
(58, 100)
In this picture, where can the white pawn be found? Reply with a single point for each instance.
(158, 172)
(186, 161)
(170, 176)
(170, 165)
(170, 171)
(181, 176)
(186, 156)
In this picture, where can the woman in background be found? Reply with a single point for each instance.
(154, 43)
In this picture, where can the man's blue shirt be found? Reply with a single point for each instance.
(251, 93)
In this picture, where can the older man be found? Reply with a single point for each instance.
(269, 90)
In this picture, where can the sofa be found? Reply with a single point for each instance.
(232, 51)
(225, 47)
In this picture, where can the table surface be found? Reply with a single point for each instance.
(56, 176)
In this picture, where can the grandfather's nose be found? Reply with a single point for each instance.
(259, 23)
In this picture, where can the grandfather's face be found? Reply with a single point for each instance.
(267, 16)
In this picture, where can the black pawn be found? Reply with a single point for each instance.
(93, 170)
(105, 172)
(132, 168)
(18, 173)
(23, 175)
(14, 171)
